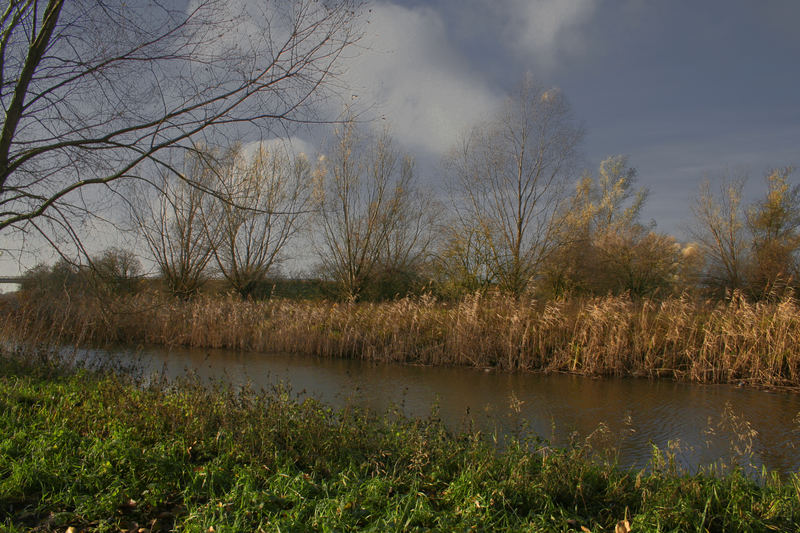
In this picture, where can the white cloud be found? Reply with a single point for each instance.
(410, 70)
(404, 70)
(294, 145)
(416, 79)
(546, 28)
(426, 87)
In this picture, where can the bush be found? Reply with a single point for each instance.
(62, 277)
(117, 271)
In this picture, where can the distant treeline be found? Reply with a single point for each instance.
(601, 249)
(518, 216)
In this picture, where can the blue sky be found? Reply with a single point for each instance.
(686, 89)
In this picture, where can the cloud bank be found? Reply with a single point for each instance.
(416, 73)
(409, 74)
(546, 28)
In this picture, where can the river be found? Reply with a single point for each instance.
(701, 424)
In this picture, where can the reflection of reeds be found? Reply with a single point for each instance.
(683, 338)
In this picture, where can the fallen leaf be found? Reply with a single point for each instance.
(128, 505)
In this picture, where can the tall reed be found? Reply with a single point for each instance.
(682, 338)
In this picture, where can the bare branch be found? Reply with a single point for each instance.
(371, 214)
(95, 90)
(509, 175)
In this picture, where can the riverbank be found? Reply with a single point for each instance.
(734, 341)
(95, 452)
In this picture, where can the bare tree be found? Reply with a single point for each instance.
(371, 215)
(462, 260)
(414, 213)
(93, 89)
(265, 195)
(178, 221)
(509, 175)
(719, 230)
(568, 268)
(117, 271)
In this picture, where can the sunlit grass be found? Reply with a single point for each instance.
(97, 452)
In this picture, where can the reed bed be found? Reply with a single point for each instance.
(682, 338)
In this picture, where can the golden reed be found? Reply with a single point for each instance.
(682, 337)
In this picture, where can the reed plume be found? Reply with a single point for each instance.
(681, 337)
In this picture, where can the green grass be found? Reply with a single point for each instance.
(96, 452)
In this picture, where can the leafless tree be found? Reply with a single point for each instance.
(178, 219)
(266, 194)
(371, 214)
(94, 89)
(117, 271)
(509, 175)
(461, 260)
(414, 215)
(720, 231)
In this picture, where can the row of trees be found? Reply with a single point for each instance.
(235, 210)
(103, 97)
(752, 247)
(515, 218)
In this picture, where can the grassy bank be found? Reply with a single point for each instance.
(681, 338)
(94, 452)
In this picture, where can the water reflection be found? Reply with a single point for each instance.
(707, 423)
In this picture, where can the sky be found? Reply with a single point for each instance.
(687, 90)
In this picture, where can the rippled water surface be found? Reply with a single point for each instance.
(704, 423)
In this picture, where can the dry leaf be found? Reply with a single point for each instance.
(623, 526)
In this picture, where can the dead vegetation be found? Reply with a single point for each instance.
(733, 341)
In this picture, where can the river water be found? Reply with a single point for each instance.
(701, 424)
